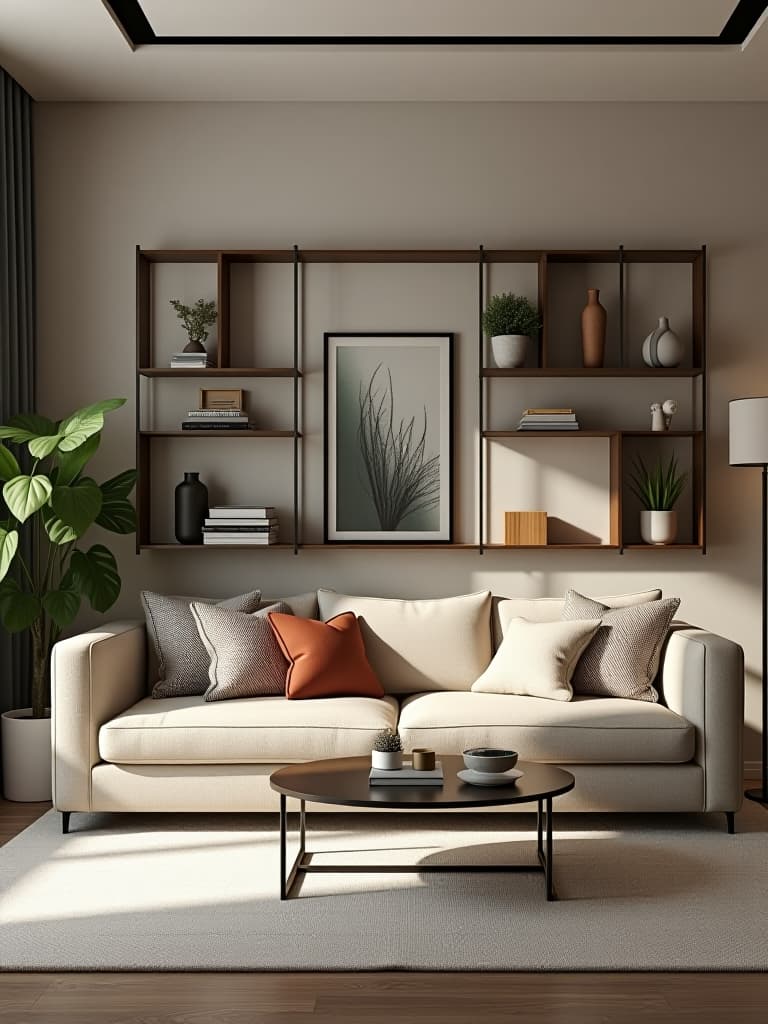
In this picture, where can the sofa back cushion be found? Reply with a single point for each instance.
(550, 609)
(418, 646)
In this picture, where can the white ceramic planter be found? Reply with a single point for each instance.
(388, 760)
(658, 527)
(662, 347)
(26, 756)
(509, 350)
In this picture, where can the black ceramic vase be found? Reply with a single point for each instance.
(191, 509)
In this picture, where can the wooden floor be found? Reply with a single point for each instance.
(377, 998)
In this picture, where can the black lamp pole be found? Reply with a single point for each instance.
(761, 794)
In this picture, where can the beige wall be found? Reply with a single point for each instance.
(560, 175)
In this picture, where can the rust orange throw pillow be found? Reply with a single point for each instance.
(326, 659)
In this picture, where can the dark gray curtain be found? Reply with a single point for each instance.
(17, 320)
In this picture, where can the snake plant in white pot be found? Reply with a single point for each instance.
(658, 490)
(52, 505)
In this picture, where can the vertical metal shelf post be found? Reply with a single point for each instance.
(296, 538)
(621, 305)
(704, 395)
(481, 397)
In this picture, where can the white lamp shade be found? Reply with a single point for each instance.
(748, 432)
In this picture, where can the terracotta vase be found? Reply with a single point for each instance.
(593, 318)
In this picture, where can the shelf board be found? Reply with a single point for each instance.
(551, 547)
(491, 435)
(661, 433)
(663, 547)
(217, 433)
(175, 546)
(220, 371)
(386, 547)
(581, 371)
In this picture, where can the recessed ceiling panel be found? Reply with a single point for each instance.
(537, 18)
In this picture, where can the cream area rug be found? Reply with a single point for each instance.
(200, 892)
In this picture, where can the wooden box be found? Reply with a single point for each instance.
(221, 398)
(525, 528)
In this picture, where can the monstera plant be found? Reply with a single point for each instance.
(50, 498)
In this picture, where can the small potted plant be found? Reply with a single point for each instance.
(510, 321)
(196, 319)
(48, 503)
(658, 490)
(387, 750)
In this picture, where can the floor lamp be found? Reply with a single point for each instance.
(748, 436)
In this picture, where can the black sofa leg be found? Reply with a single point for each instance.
(730, 817)
(65, 822)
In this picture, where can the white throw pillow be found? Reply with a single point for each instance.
(537, 659)
(414, 646)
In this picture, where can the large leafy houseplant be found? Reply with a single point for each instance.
(55, 502)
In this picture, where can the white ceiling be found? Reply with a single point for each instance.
(72, 50)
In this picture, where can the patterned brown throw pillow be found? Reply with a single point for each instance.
(182, 662)
(246, 660)
(622, 658)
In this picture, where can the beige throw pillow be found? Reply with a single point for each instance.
(537, 659)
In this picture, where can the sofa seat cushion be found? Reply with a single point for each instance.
(250, 730)
(585, 730)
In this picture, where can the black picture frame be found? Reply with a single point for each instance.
(444, 342)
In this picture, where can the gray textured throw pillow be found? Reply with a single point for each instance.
(246, 660)
(622, 658)
(182, 660)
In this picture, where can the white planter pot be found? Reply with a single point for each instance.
(658, 527)
(662, 347)
(26, 756)
(509, 350)
(389, 760)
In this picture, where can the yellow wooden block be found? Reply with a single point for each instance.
(525, 528)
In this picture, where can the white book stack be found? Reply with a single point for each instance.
(255, 525)
(406, 776)
(190, 361)
(215, 419)
(548, 419)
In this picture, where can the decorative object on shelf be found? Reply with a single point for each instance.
(548, 419)
(662, 413)
(658, 490)
(237, 524)
(191, 509)
(525, 528)
(662, 347)
(190, 361)
(389, 438)
(387, 753)
(196, 319)
(57, 503)
(748, 446)
(593, 321)
(510, 321)
(231, 400)
(423, 759)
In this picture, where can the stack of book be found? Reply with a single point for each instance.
(215, 419)
(241, 524)
(406, 776)
(190, 361)
(548, 419)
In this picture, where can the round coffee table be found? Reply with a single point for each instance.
(344, 781)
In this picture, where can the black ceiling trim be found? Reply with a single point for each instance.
(135, 26)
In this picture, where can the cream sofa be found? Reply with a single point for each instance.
(115, 748)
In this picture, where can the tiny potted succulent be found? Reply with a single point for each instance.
(658, 490)
(510, 321)
(196, 319)
(387, 750)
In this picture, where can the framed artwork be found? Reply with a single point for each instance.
(389, 438)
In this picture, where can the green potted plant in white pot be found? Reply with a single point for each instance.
(658, 490)
(54, 504)
(510, 321)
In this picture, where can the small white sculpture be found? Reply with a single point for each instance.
(669, 408)
(662, 413)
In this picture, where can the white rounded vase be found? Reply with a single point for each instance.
(26, 756)
(658, 527)
(388, 760)
(509, 350)
(662, 347)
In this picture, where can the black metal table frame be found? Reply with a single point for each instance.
(302, 864)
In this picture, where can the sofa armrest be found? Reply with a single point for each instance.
(94, 676)
(702, 679)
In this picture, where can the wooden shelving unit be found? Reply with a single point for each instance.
(547, 366)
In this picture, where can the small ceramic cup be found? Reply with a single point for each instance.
(423, 759)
